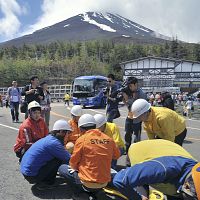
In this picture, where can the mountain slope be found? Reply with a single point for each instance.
(91, 26)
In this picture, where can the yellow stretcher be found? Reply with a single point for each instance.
(154, 194)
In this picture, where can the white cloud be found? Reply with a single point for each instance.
(10, 23)
(169, 17)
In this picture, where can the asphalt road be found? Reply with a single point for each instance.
(12, 184)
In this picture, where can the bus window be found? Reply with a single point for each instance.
(83, 85)
(99, 84)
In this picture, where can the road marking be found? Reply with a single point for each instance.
(195, 120)
(56, 114)
(96, 111)
(193, 128)
(189, 138)
(16, 129)
(102, 112)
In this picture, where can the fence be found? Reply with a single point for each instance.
(57, 91)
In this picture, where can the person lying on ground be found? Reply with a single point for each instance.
(162, 165)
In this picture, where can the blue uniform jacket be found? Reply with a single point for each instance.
(40, 153)
(166, 169)
(113, 104)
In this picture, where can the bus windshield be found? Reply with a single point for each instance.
(88, 90)
(83, 86)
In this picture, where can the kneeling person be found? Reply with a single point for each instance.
(41, 162)
(111, 130)
(90, 164)
(71, 138)
(31, 130)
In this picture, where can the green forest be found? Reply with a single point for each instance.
(59, 62)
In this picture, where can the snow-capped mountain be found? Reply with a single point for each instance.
(91, 26)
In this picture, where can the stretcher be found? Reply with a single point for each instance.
(153, 195)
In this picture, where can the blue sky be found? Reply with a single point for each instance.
(169, 17)
(33, 8)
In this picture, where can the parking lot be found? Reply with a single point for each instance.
(12, 184)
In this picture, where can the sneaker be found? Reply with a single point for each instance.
(45, 186)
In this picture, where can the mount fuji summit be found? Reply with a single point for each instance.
(91, 26)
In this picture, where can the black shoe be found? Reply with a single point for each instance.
(45, 186)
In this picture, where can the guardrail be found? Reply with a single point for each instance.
(57, 91)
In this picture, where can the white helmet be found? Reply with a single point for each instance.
(33, 104)
(61, 125)
(139, 107)
(86, 120)
(100, 120)
(76, 110)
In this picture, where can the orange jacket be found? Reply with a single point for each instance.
(29, 132)
(75, 134)
(92, 156)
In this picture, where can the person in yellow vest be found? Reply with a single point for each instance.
(160, 122)
(163, 165)
(66, 99)
(71, 138)
(111, 130)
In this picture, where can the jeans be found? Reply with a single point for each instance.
(131, 127)
(46, 174)
(114, 162)
(112, 114)
(14, 108)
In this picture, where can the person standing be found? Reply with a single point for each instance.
(32, 92)
(167, 101)
(13, 99)
(66, 99)
(112, 110)
(130, 94)
(189, 107)
(160, 122)
(40, 163)
(1, 101)
(45, 103)
(31, 130)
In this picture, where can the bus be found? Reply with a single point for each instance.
(88, 91)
